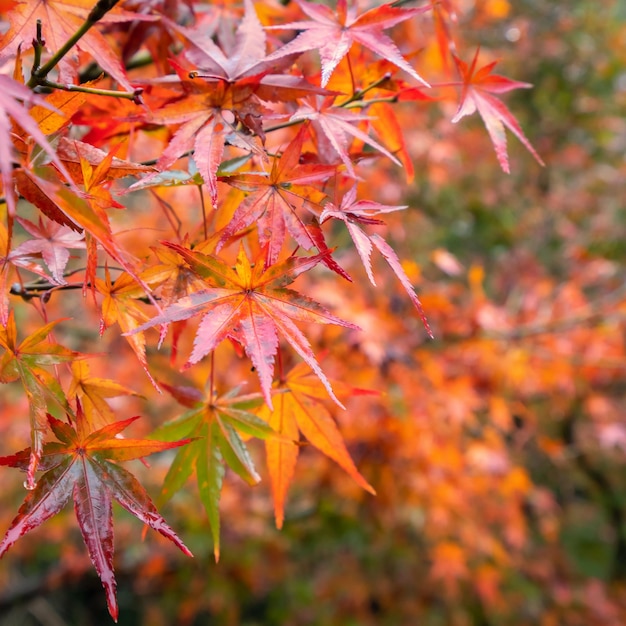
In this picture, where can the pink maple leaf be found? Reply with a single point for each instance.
(52, 241)
(332, 33)
(478, 85)
(354, 213)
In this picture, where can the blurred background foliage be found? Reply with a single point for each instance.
(498, 450)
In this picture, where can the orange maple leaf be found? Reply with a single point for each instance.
(299, 408)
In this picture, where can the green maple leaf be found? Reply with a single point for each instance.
(215, 423)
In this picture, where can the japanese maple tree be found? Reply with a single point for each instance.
(177, 166)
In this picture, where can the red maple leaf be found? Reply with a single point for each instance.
(333, 32)
(82, 465)
(354, 213)
(335, 129)
(250, 304)
(276, 200)
(478, 85)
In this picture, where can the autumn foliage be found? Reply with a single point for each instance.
(200, 203)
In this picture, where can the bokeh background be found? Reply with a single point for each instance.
(498, 449)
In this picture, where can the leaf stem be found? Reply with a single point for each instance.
(366, 103)
(38, 45)
(400, 3)
(351, 73)
(212, 377)
(358, 95)
(283, 125)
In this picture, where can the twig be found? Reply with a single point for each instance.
(358, 95)
(39, 73)
(134, 95)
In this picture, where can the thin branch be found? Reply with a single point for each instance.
(358, 95)
(155, 161)
(134, 95)
(361, 104)
(39, 73)
(269, 129)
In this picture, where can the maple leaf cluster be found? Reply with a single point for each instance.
(178, 167)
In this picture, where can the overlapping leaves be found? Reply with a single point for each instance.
(224, 97)
(278, 201)
(61, 19)
(27, 361)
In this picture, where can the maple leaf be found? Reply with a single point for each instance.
(120, 304)
(153, 34)
(82, 465)
(250, 304)
(59, 108)
(386, 124)
(243, 54)
(97, 178)
(203, 128)
(53, 241)
(174, 277)
(92, 392)
(299, 409)
(478, 85)
(215, 423)
(13, 95)
(26, 361)
(274, 200)
(241, 61)
(9, 261)
(333, 32)
(375, 81)
(108, 118)
(61, 19)
(335, 125)
(444, 13)
(354, 213)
